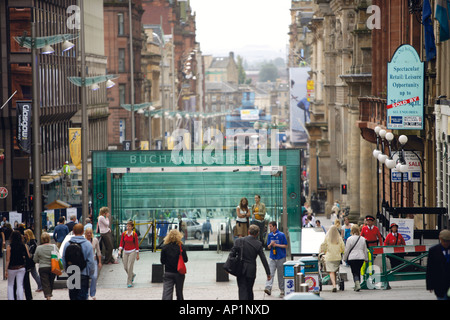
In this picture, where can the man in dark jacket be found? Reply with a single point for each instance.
(438, 267)
(252, 248)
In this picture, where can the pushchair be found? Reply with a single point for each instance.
(324, 276)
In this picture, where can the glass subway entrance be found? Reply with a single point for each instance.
(159, 193)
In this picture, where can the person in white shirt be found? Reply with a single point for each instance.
(355, 254)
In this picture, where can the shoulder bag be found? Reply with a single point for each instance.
(346, 261)
(234, 262)
(181, 268)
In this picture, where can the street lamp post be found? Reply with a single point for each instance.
(37, 199)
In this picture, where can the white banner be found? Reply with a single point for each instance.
(405, 228)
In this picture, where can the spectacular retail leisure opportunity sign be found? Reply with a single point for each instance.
(405, 90)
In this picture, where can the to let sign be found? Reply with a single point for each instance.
(405, 90)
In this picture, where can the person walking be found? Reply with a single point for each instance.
(30, 241)
(173, 247)
(332, 249)
(252, 248)
(346, 230)
(356, 254)
(258, 216)
(43, 257)
(104, 228)
(72, 222)
(129, 243)
(89, 235)
(277, 244)
(371, 232)
(15, 265)
(60, 232)
(438, 267)
(242, 217)
(206, 230)
(78, 252)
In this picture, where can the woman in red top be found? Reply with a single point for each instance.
(394, 239)
(129, 243)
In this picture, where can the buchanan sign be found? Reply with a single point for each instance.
(405, 90)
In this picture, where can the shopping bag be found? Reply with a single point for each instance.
(181, 268)
(56, 262)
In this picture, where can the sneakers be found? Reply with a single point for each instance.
(268, 291)
(281, 294)
(357, 286)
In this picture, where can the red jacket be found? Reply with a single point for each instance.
(373, 236)
(129, 242)
(392, 240)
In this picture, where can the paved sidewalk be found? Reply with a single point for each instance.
(200, 283)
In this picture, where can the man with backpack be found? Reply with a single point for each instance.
(78, 252)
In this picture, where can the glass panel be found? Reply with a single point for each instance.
(147, 186)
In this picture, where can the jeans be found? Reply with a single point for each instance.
(17, 275)
(276, 265)
(93, 288)
(82, 292)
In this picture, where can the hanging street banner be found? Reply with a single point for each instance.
(405, 90)
(75, 146)
(24, 125)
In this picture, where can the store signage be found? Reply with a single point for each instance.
(414, 172)
(24, 125)
(405, 90)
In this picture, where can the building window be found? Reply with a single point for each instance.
(121, 60)
(120, 24)
(122, 94)
(122, 129)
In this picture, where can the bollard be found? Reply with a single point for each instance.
(304, 287)
(299, 280)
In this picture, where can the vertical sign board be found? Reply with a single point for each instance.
(24, 125)
(405, 90)
(299, 104)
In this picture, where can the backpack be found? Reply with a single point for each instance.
(74, 255)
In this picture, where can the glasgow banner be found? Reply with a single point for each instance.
(75, 146)
(24, 125)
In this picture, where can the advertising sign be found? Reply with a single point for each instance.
(405, 90)
(24, 125)
(414, 172)
(250, 114)
(405, 228)
(299, 104)
(75, 146)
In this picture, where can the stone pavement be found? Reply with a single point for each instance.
(200, 283)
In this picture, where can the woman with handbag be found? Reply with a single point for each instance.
(355, 254)
(15, 265)
(43, 256)
(129, 243)
(332, 248)
(173, 257)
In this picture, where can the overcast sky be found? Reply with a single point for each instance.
(230, 25)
